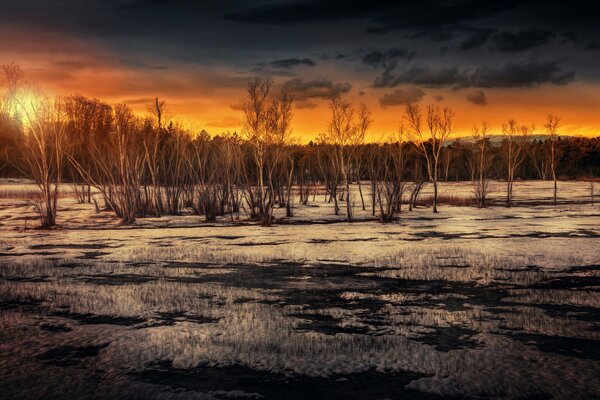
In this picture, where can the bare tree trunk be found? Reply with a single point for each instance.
(348, 201)
(440, 126)
(362, 199)
(288, 204)
(552, 124)
(554, 172)
(435, 189)
(373, 199)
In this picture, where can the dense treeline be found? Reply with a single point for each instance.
(151, 166)
(577, 157)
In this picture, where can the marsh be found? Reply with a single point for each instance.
(467, 303)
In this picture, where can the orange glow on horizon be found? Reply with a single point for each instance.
(217, 113)
(204, 97)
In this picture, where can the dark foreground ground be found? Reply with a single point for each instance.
(290, 330)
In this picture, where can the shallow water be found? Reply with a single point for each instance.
(282, 329)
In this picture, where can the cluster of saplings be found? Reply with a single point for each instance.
(152, 167)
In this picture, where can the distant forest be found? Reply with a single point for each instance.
(152, 166)
(577, 157)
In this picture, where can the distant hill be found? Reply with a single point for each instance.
(497, 139)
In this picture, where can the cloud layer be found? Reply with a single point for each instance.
(401, 96)
(305, 92)
(477, 97)
(509, 75)
(200, 56)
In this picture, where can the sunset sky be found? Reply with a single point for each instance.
(491, 60)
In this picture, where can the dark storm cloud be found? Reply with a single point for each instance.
(214, 34)
(141, 4)
(509, 75)
(315, 89)
(510, 42)
(502, 26)
(291, 62)
(420, 75)
(477, 38)
(477, 97)
(311, 10)
(385, 58)
(401, 96)
(336, 57)
(383, 15)
(282, 67)
(591, 46)
(520, 75)
(521, 40)
(386, 15)
(436, 19)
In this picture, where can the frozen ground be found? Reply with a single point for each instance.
(468, 303)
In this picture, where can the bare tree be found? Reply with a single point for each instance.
(12, 80)
(374, 166)
(230, 164)
(268, 128)
(116, 166)
(43, 150)
(418, 178)
(256, 110)
(152, 144)
(480, 135)
(172, 168)
(86, 120)
(279, 164)
(342, 129)
(539, 158)
(430, 139)
(330, 172)
(552, 124)
(43, 145)
(203, 165)
(516, 138)
(392, 185)
(346, 132)
(364, 122)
